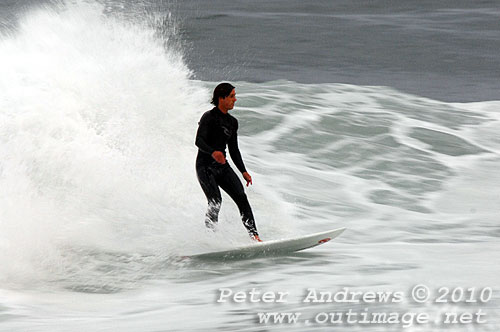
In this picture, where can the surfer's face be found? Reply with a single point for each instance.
(228, 102)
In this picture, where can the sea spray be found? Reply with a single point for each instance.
(97, 119)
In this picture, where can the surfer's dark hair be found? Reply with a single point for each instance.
(221, 91)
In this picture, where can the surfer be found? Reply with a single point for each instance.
(216, 129)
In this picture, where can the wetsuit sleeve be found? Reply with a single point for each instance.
(202, 134)
(234, 151)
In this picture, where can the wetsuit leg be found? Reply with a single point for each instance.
(208, 183)
(231, 184)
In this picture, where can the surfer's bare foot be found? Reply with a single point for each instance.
(256, 238)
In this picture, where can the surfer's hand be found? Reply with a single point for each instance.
(219, 157)
(248, 178)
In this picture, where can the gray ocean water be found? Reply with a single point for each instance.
(378, 116)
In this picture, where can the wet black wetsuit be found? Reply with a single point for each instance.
(215, 131)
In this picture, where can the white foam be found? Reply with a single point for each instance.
(97, 125)
(97, 148)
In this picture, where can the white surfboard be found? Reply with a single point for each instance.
(271, 248)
